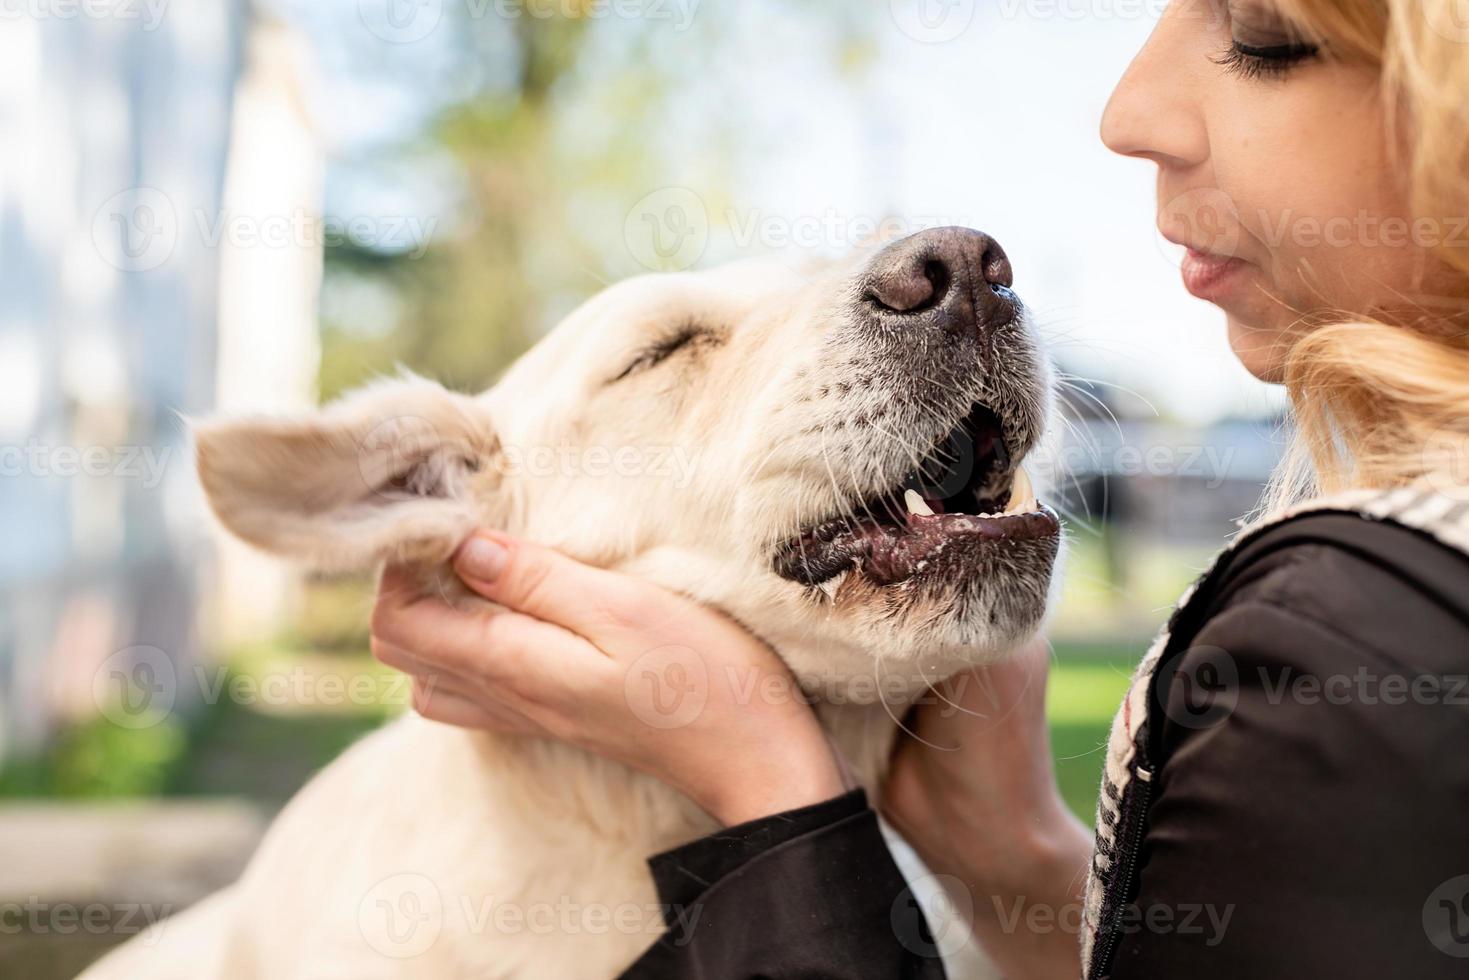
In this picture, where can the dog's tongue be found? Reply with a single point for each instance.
(890, 553)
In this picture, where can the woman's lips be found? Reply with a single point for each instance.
(1210, 277)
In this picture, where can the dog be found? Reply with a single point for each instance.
(829, 453)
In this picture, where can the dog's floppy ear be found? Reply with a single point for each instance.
(385, 473)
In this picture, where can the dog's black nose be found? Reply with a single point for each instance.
(958, 277)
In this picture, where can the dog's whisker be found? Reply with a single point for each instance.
(932, 686)
(888, 709)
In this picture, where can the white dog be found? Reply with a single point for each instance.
(830, 455)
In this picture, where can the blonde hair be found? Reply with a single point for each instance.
(1379, 405)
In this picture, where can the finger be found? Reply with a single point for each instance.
(442, 636)
(452, 708)
(428, 683)
(543, 583)
(403, 660)
(399, 585)
(530, 659)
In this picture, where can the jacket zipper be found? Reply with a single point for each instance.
(1127, 862)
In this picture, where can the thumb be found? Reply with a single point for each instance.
(543, 583)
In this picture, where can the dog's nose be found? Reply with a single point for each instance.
(957, 277)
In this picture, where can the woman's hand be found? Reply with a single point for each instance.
(976, 796)
(615, 666)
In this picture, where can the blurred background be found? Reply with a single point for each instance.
(229, 206)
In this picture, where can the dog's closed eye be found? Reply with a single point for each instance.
(688, 337)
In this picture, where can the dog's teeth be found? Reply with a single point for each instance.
(916, 504)
(1022, 495)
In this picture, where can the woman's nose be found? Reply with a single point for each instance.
(1156, 111)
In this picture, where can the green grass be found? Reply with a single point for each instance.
(97, 759)
(226, 749)
(1084, 694)
(236, 750)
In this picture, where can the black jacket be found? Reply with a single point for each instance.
(1317, 828)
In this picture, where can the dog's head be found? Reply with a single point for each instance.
(830, 454)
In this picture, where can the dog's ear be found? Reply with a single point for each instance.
(399, 470)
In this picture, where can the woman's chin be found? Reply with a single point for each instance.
(1261, 350)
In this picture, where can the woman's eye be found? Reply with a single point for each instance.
(1266, 61)
(1262, 43)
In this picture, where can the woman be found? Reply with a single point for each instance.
(1287, 784)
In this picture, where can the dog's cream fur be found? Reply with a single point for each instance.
(402, 857)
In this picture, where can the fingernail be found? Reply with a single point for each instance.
(483, 559)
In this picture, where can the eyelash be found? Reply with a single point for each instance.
(1271, 62)
(664, 349)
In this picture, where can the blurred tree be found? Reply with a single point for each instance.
(563, 129)
(462, 308)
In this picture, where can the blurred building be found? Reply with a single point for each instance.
(121, 235)
(1119, 463)
(268, 349)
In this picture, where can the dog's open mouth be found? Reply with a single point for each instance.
(966, 493)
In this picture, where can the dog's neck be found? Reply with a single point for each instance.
(864, 735)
